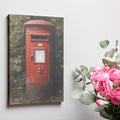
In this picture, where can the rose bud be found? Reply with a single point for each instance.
(101, 102)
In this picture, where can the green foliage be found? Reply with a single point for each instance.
(77, 92)
(118, 57)
(83, 95)
(76, 76)
(108, 110)
(88, 76)
(88, 83)
(55, 99)
(84, 73)
(99, 108)
(17, 43)
(104, 114)
(110, 53)
(87, 98)
(104, 44)
(91, 69)
(77, 70)
(84, 70)
(80, 80)
(110, 64)
(116, 43)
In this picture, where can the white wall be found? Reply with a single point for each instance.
(86, 22)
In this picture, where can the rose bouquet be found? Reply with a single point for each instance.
(105, 83)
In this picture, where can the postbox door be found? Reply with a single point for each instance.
(39, 62)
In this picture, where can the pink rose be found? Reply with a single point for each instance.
(106, 69)
(98, 67)
(116, 82)
(104, 87)
(115, 96)
(101, 102)
(99, 75)
(114, 74)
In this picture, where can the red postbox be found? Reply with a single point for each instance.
(38, 59)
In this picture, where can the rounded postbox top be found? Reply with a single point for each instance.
(38, 23)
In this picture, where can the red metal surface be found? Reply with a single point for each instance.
(38, 74)
(38, 23)
(35, 68)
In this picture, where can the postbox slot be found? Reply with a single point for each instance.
(39, 55)
(39, 37)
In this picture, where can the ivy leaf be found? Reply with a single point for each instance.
(104, 44)
(77, 92)
(110, 53)
(87, 98)
(116, 43)
(118, 57)
(84, 70)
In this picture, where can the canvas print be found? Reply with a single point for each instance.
(35, 59)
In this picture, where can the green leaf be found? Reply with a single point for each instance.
(98, 109)
(88, 76)
(91, 69)
(77, 92)
(88, 83)
(116, 43)
(84, 70)
(80, 80)
(77, 70)
(104, 44)
(104, 114)
(118, 57)
(115, 49)
(110, 53)
(107, 62)
(87, 98)
(110, 64)
(76, 76)
(84, 82)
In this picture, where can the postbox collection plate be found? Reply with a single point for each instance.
(39, 55)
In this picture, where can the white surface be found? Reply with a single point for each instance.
(39, 56)
(86, 23)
